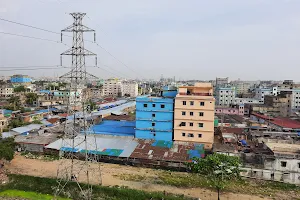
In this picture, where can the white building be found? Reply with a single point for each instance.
(6, 90)
(238, 101)
(221, 81)
(225, 96)
(112, 87)
(130, 88)
(261, 92)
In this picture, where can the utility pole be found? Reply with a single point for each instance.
(78, 148)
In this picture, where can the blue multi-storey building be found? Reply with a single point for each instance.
(20, 79)
(154, 116)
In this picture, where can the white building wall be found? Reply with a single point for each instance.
(112, 87)
(130, 88)
(225, 96)
(6, 91)
(261, 92)
(238, 101)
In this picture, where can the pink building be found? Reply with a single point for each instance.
(234, 110)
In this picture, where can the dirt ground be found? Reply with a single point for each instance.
(110, 173)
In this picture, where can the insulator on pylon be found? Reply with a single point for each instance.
(60, 60)
(96, 61)
(61, 37)
(94, 36)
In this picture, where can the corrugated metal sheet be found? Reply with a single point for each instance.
(127, 145)
(9, 134)
(27, 128)
(118, 128)
(104, 112)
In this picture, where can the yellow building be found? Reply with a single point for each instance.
(194, 114)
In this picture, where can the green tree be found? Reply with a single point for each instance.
(219, 169)
(7, 148)
(20, 89)
(31, 97)
(14, 101)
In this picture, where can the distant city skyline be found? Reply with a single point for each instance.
(194, 39)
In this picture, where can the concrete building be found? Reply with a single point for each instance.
(130, 88)
(280, 103)
(238, 101)
(6, 90)
(242, 87)
(3, 122)
(194, 114)
(221, 81)
(225, 96)
(112, 87)
(233, 110)
(19, 79)
(261, 92)
(154, 117)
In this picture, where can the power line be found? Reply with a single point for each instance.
(31, 37)
(34, 27)
(42, 29)
(28, 69)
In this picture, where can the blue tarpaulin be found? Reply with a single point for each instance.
(244, 142)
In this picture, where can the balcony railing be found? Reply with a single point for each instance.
(195, 94)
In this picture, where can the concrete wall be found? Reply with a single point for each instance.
(154, 118)
(194, 103)
(272, 175)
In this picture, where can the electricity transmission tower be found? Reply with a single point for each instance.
(78, 159)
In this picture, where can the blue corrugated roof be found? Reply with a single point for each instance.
(120, 128)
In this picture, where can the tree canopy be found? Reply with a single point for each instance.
(219, 169)
(7, 149)
(31, 97)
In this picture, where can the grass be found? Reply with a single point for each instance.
(28, 195)
(32, 155)
(39, 185)
(189, 180)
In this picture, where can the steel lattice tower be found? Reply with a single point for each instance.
(76, 158)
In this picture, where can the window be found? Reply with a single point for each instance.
(153, 105)
(191, 114)
(154, 134)
(190, 135)
(199, 135)
(183, 134)
(200, 125)
(182, 124)
(145, 105)
(191, 103)
(191, 124)
(298, 165)
(153, 115)
(153, 124)
(183, 113)
(201, 103)
(162, 106)
(184, 103)
(283, 164)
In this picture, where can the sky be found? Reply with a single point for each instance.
(191, 39)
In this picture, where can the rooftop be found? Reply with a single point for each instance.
(43, 139)
(284, 148)
(280, 121)
(119, 128)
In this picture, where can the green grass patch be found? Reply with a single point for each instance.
(28, 195)
(246, 186)
(47, 186)
(191, 180)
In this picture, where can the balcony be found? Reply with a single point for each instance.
(195, 94)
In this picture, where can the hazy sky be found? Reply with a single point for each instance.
(189, 39)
